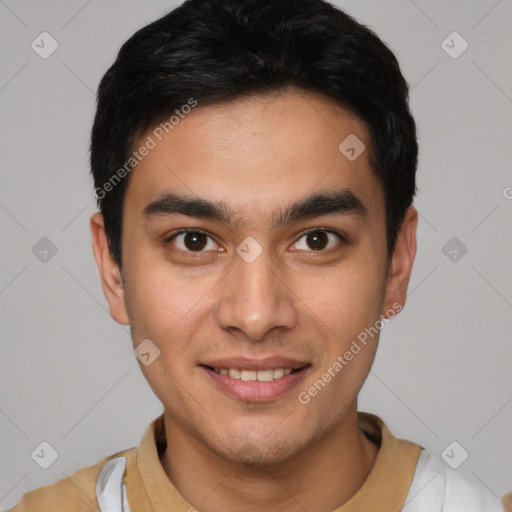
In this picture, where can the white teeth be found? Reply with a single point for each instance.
(265, 375)
(251, 375)
(248, 375)
(278, 373)
(235, 374)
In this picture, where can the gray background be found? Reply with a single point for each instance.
(67, 372)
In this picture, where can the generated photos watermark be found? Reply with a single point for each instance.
(150, 143)
(305, 397)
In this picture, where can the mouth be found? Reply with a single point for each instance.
(256, 384)
(265, 375)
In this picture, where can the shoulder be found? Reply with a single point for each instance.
(436, 487)
(76, 492)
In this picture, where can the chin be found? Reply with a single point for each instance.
(256, 451)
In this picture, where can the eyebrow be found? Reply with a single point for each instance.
(342, 202)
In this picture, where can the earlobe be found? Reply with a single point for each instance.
(111, 280)
(400, 266)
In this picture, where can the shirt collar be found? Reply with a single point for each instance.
(385, 489)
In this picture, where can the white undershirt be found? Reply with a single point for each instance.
(435, 487)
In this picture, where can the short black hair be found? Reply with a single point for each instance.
(208, 51)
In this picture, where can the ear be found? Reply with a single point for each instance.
(109, 271)
(400, 266)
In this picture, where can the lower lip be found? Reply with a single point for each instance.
(255, 390)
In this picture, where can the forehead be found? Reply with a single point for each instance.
(255, 152)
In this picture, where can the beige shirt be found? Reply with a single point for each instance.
(149, 489)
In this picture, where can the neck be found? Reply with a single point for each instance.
(322, 477)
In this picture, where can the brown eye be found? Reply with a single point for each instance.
(192, 241)
(195, 241)
(317, 240)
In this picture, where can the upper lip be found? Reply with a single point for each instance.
(263, 363)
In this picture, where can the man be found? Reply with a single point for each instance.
(254, 165)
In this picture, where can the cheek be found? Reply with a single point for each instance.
(344, 300)
(160, 294)
(169, 308)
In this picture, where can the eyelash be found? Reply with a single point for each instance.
(167, 240)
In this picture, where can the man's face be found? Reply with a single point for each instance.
(261, 293)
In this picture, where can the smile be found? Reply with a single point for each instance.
(250, 375)
(262, 385)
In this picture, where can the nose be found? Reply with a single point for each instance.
(256, 299)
